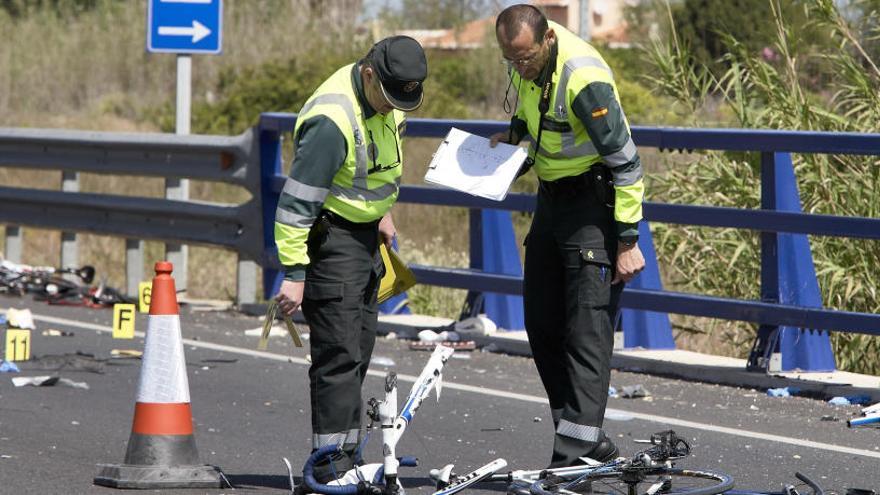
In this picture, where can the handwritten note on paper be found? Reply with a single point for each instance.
(465, 162)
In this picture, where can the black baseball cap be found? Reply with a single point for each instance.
(400, 63)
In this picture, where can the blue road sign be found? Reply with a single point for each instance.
(184, 26)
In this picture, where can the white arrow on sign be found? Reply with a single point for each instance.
(197, 31)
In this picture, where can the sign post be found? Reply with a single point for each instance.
(183, 27)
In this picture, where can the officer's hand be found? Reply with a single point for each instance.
(499, 137)
(387, 230)
(629, 263)
(290, 296)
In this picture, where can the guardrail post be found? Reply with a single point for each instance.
(766, 342)
(13, 246)
(473, 303)
(647, 329)
(788, 277)
(270, 166)
(246, 286)
(178, 189)
(493, 250)
(800, 348)
(69, 251)
(134, 265)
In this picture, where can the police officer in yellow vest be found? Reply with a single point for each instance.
(332, 214)
(582, 245)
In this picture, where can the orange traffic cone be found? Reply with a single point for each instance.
(162, 449)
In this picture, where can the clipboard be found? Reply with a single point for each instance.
(398, 277)
(468, 163)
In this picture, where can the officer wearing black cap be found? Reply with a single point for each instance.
(332, 214)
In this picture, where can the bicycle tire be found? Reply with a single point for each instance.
(676, 481)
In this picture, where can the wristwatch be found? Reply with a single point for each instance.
(628, 240)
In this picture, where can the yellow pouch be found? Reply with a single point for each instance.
(398, 277)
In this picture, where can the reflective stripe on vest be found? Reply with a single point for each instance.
(568, 69)
(569, 148)
(359, 181)
(587, 148)
(566, 148)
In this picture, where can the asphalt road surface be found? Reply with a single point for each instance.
(251, 408)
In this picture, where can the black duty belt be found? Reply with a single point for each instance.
(567, 186)
(345, 223)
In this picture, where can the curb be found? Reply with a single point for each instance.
(630, 360)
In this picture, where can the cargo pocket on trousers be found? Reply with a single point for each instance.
(326, 297)
(595, 279)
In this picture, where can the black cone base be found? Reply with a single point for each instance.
(146, 477)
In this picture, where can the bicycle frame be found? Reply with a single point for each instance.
(393, 425)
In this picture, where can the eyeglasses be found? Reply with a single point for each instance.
(373, 152)
(525, 61)
(521, 62)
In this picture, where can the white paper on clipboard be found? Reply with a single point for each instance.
(465, 162)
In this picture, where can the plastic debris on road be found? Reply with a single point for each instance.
(467, 345)
(20, 318)
(47, 381)
(783, 392)
(126, 354)
(276, 331)
(52, 332)
(428, 335)
(612, 392)
(383, 361)
(634, 392)
(480, 324)
(8, 367)
(613, 415)
(850, 400)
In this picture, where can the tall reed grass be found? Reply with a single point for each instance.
(774, 92)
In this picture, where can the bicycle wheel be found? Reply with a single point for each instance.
(638, 481)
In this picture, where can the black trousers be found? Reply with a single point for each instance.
(569, 308)
(340, 307)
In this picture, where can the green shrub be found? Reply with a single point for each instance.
(775, 94)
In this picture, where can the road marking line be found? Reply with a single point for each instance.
(498, 393)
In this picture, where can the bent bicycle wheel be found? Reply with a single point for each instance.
(638, 482)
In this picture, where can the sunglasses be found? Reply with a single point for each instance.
(373, 152)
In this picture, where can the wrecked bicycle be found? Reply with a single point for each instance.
(648, 472)
(49, 284)
(382, 478)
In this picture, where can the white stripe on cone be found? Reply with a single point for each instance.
(163, 375)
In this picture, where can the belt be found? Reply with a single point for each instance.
(567, 186)
(345, 223)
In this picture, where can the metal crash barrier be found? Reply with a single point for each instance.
(787, 311)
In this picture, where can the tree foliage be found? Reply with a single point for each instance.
(439, 14)
(775, 93)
